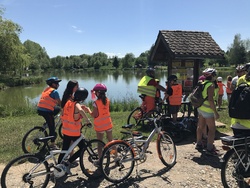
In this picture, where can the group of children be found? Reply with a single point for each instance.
(73, 111)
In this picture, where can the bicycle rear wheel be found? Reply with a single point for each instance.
(232, 172)
(166, 149)
(89, 159)
(117, 161)
(29, 144)
(25, 171)
(135, 116)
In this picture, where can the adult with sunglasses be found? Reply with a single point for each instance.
(49, 106)
(207, 114)
(240, 71)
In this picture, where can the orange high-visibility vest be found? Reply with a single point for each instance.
(228, 90)
(71, 127)
(176, 97)
(103, 122)
(221, 90)
(46, 101)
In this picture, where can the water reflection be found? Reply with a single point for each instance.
(121, 85)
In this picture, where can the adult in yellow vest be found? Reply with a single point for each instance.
(242, 126)
(174, 96)
(147, 87)
(72, 115)
(207, 114)
(101, 114)
(48, 106)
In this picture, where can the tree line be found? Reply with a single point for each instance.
(17, 57)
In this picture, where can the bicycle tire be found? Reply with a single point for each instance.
(231, 169)
(117, 164)
(20, 172)
(166, 149)
(28, 145)
(60, 131)
(89, 159)
(135, 116)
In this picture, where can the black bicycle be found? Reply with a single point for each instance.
(28, 145)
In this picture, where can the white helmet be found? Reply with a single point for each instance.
(219, 79)
(208, 72)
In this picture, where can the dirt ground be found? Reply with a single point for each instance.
(193, 169)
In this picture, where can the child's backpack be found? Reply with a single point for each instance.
(196, 97)
(239, 104)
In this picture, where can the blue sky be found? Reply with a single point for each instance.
(118, 27)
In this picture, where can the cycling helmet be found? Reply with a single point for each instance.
(247, 67)
(219, 79)
(172, 78)
(100, 88)
(150, 72)
(81, 94)
(52, 80)
(240, 67)
(209, 72)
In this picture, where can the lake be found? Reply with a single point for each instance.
(121, 85)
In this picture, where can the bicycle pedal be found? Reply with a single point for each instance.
(150, 152)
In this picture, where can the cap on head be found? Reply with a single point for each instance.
(219, 79)
(52, 80)
(81, 94)
(100, 88)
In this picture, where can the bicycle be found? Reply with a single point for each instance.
(28, 145)
(36, 170)
(119, 156)
(235, 169)
(139, 114)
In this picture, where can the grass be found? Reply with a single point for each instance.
(14, 128)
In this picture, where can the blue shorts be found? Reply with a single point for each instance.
(205, 114)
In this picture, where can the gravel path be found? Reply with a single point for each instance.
(192, 170)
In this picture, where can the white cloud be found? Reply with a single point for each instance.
(76, 29)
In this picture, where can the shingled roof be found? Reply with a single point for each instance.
(185, 45)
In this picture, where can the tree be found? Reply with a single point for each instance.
(115, 62)
(237, 51)
(128, 60)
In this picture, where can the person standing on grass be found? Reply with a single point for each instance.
(101, 114)
(49, 106)
(207, 114)
(221, 91)
(72, 115)
(240, 71)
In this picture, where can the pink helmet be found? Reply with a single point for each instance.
(100, 87)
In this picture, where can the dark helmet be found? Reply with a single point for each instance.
(81, 94)
(150, 72)
(52, 80)
(209, 71)
(172, 78)
(100, 88)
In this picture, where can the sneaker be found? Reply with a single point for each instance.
(199, 147)
(212, 152)
(54, 147)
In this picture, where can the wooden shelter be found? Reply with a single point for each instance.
(183, 51)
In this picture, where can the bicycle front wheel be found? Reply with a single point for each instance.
(25, 171)
(29, 144)
(166, 149)
(89, 159)
(232, 171)
(117, 161)
(135, 116)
